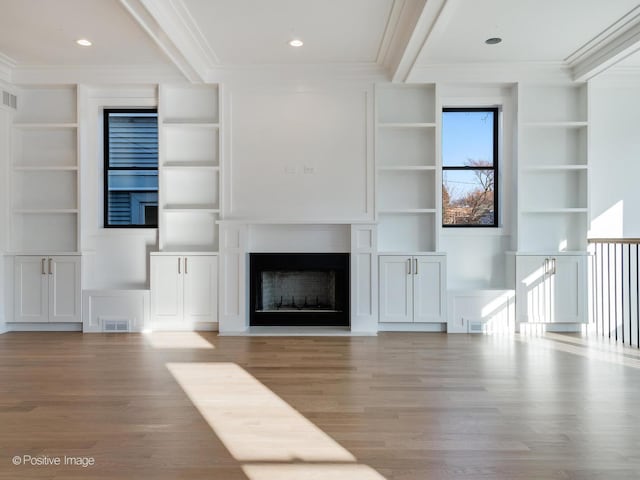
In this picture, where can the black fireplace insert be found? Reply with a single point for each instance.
(299, 289)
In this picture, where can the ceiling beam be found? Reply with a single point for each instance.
(171, 26)
(415, 24)
(608, 48)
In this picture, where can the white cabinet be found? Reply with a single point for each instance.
(412, 288)
(184, 291)
(47, 289)
(551, 289)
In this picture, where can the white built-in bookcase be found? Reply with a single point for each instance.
(553, 167)
(407, 173)
(189, 170)
(45, 172)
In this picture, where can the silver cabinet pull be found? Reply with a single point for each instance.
(415, 266)
(43, 270)
(186, 266)
(553, 266)
(179, 260)
(546, 266)
(409, 262)
(50, 262)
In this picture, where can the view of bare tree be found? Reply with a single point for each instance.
(473, 205)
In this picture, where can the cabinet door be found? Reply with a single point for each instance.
(533, 286)
(568, 290)
(64, 289)
(166, 291)
(31, 294)
(428, 289)
(396, 289)
(200, 290)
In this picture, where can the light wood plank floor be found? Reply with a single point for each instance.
(395, 407)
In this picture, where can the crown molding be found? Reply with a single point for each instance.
(609, 47)
(7, 64)
(295, 73)
(419, 33)
(542, 72)
(99, 74)
(172, 28)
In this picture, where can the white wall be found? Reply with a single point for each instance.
(476, 256)
(299, 151)
(4, 221)
(113, 258)
(615, 155)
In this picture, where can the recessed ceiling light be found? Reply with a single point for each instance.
(296, 43)
(493, 40)
(83, 42)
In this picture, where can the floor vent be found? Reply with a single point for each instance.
(115, 326)
(9, 100)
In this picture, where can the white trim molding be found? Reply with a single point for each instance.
(612, 45)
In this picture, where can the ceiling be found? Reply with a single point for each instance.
(532, 30)
(246, 32)
(43, 33)
(207, 34)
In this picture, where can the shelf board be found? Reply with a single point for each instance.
(406, 125)
(555, 124)
(43, 168)
(406, 168)
(27, 126)
(189, 166)
(554, 168)
(406, 210)
(190, 209)
(555, 210)
(190, 122)
(44, 210)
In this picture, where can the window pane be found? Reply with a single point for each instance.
(133, 197)
(133, 139)
(468, 197)
(467, 139)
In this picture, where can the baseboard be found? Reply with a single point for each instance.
(44, 327)
(297, 332)
(552, 327)
(412, 327)
(196, 327)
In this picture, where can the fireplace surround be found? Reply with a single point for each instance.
(299, 289)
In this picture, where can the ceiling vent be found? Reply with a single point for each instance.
(9, 100)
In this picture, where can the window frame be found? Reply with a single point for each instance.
(496, 179)
(107, 168)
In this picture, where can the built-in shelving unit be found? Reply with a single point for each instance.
(553, 168)
(407, 178)
(45, 171)
(189, 168)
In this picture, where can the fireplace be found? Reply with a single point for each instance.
(299, 289)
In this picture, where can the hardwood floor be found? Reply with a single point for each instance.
(396, 407)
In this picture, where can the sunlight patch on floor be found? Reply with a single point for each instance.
(311, 472)
(252, 421)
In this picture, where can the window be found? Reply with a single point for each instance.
(130, 168)
(470, 167)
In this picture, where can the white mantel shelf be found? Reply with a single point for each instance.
(294, 221)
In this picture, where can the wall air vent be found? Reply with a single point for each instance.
(9, 100)
(475, 326)
(113, 325)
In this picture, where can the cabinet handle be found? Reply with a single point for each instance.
(553, 266)
(546, 266)
(409, 262)
(415, 266)
(43, 270)
(50, 270)
(179, 260)
(186, 266)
